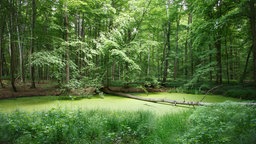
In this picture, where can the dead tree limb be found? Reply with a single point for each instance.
(164, 100)
(154, 100)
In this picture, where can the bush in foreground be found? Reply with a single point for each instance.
(221, 123)
(64, 126)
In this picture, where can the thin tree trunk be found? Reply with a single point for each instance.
(1, 51)
(252, 20)
(175, 71)
(190, 19)
(67, 47)
(246, 65)
(20, 48)
(210, 61)
(12, 46)
(186, 49)
(167, 46)
(218, 59)
(148, 69)
(167, 52)
(231, 64)
(218, 48)
(32, 68)
(227, 59)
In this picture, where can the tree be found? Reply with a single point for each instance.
(32, 46)
(252, 20)
(1, 49)
(167, 46)
(12, 43)
(66, 40)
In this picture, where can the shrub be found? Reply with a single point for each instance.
(222, 123)
(63, 126)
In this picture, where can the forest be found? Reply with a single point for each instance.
(178, 60)
(116, 42)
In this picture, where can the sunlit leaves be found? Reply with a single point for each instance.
(48, 59)
(122, 56)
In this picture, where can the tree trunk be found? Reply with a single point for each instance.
(246, 65)
(12, 46)
(175, 71)
(67, 47)
(1, 51)
(186, 49)
(167, 51)
(252, 20)
(218, 59)
(20, 47)
(168, 101)
(231, 64)
(32, 68)
(218, 47)
(190, 19)
(148, 69)
(154, 100)
(227, 58)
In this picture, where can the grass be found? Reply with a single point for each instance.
(93, 126)
(112, 119)
(112, 103)
(222, 123)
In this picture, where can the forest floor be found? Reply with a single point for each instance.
(24, 90)
(51, 89)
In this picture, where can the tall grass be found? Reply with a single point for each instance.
(222, 123)
(95, 126)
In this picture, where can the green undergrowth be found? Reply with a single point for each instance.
(234, 90)
(226, 123)
(220, 123)
(95, 126)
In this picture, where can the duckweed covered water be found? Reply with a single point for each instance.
(108, 102)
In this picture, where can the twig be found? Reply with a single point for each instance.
(209, 92)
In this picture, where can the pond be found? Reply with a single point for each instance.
(108, 102)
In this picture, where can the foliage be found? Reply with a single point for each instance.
(109, 42)
(62, 126)
(222, 123)
(238, 91)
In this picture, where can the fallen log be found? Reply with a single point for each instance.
(154, 100)
(164, 100)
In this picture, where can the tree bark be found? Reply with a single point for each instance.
(175, 71)
(252, 20)
(186, 47)
(67, 47)
(32, 68)
(19, 44)
(12, 45)
(218, 48)
(167, 52)
(1, 52)
(167, 46)
(148, 68)
(218, 59)
(210, 61)
(191, 54)
(227, 58)
(246, 65)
